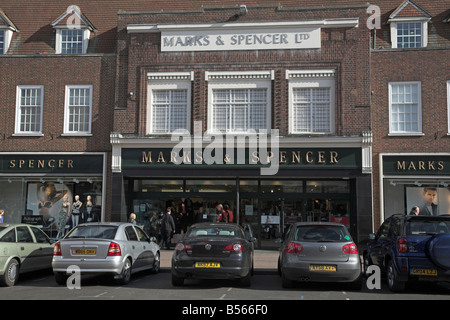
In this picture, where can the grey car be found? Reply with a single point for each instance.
(322, 252)
(112, 248)
(23, 248)
(213, 251)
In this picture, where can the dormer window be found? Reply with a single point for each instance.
(73, 30)
(6, 32)
(409, 26)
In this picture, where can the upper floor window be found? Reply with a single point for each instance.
(29, 108)
(311, 101)
(2, 42)
(169, 102)
(239, 102)
(78, 109)
(405, 109)
(7, 28)
(72, 32)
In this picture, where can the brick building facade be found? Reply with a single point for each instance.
(315, 77)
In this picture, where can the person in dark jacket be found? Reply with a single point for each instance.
(167, 228)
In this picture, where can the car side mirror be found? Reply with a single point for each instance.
(252, 239)
(152, 239)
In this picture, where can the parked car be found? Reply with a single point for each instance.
(322, 252)
(112, 248)
(23, 248)
(213, 251)
(409, 248)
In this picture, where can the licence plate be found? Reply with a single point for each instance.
(83, 251)
(322, 267)
(423, 272)
(207, 265)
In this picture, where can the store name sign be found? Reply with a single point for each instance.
(252, 38)
(416, 165)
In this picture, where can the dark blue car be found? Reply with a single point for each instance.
(409, 248)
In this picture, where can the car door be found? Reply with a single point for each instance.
(135, 247)
(147, 253)
(378, 246)
(44, 246)
(28, 250)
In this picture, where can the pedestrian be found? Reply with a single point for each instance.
(167, 228)
(226, 207)
(414, 211)
(1, 215)
(222, 214)
(132, 218)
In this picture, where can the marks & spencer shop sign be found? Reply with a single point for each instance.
(242, 36)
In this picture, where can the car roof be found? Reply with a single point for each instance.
(318, 223)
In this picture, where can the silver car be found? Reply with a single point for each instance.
(106, 248)
(322, 252)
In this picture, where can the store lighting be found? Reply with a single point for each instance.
(444, 184)
(9, 181)
(76, 180)
(417, 183)
(393, 183)
(90, 180)
(42, 180)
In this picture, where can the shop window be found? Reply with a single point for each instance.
(270, 186)
(248, 186)
(210, 185)
(155, 185)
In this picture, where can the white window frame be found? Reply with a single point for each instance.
(67, 132)
(19, 111)
(58, 46)
(302, 79)
(239, 80)
(419, 111)
(168, 81)
(7, 36)
(396, 21)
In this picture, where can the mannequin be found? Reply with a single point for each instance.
(76, 206)
(89, 208)
(63, 216)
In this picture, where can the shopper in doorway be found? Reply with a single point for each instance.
(167, 228)
(222, 214)
(226, 207)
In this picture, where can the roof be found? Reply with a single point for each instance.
(35, 19)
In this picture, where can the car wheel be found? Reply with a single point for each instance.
(156, 263)
(177, 281)
(11, 275)
(394, 284)
(125, 276)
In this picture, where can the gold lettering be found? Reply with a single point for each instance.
(60, 163)
(255, 157)
(282, 156)
(295, 157)
(30, 163)
(333, 157)
(51, 163)
(21, 162)
(187, 157)
(12, 163)
(146, 157)
(41, 163)
(441, 165)
(431, 165)
(173, 157)
(321, 157)
(161, 158)
(198, 157)
(269, 156)
(70, 164)
(401, 165)
(308, 155)
(421, 165)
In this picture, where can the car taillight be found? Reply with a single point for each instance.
(350, 248)
(293, 247)
(57, 249)
(402, 246)
(235, 247)
(114, 250)
(181, 246)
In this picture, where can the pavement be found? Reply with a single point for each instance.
(265, 261)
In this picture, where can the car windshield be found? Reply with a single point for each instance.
(94, 231)
(427, 227)
(318, 233)
(213, 231)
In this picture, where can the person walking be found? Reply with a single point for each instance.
(167, 228)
